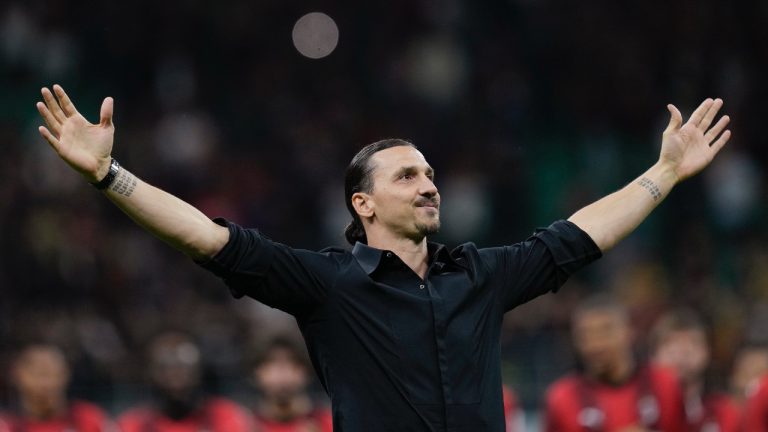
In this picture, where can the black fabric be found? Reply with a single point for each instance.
(393, 351)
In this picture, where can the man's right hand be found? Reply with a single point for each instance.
(84, 146)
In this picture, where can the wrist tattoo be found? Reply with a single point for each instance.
(651, 187)
(124, 183)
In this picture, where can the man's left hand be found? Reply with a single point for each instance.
(687, 148)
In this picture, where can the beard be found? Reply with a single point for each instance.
(428, 228)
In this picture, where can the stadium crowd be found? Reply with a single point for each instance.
(527, 109)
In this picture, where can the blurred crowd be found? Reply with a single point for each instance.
(528, 110)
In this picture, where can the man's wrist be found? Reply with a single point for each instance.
(109, 177)
(667, 173)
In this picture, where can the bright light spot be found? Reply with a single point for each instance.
(315, 35)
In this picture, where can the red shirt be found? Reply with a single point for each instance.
(81, 417)
(216, 415)
(574, 404)
(319, 420)
(512, 413)
(718, 411)
(756, 409)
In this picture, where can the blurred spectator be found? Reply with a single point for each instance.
(756, 408)
(679, 341)
(281, 374)
(513, 414)
(40, 374)
(750, 365)
(613, 391)
(180, 404)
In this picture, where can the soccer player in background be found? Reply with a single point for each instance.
(180, 404)
(749, 366)
(679, 341)
(756, 407)
(281, 374)
(403, 333)
(40, 375)
(613, 390)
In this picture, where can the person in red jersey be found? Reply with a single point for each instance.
(180, 405)
(612, 392)
(756, 408)
(281, 375)
(749, 365)
(679, 341)
(40, 375)
(513, 415)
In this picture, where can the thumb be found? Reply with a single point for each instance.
(107, 108)
(675, 118)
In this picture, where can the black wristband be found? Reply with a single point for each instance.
(114, 167)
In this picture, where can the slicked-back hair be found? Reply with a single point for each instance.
(359, 178)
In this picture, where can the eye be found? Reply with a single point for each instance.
(407, 176)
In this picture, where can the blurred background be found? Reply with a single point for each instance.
(527, 109)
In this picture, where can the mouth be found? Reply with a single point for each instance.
(428, 204)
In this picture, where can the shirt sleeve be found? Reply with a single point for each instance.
(292, 280)
(540, 264)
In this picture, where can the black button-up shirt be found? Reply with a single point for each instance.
(393, 351)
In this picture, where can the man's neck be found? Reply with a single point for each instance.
(44, 409)
(290, 409)
(412, 253)
(618, 374)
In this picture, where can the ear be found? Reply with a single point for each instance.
(363, 204)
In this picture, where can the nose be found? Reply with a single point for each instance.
(427, 187)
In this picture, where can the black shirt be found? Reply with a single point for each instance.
(393, 351)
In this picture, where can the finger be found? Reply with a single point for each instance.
(700, 111)
(107, 108)
(66, 103)
(53, 105)
(675, 118)
(49, 137)
(717, 128)
(710, 115)
(50, 120)
(717, 145)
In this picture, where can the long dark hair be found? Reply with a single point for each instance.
(358, 178)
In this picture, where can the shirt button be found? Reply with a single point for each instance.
(389, 254)
(421, 286)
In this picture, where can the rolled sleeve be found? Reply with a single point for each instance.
(251, 264)
(540, 264)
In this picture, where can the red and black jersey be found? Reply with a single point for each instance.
(715, 413)
(319, 420)
(756, 408)
(513, 415)
(80, 417)
(652, 398)
(215, 415)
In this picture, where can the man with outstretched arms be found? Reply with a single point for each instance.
(403, 333)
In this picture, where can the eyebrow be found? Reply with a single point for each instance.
(414, 169)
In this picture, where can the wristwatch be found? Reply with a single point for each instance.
(104, 183)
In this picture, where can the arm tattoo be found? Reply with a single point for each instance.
(651, 187)
(124, 183)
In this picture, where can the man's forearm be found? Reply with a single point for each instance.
(167, 217)
(613, 217)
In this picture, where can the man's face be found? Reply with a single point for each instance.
(686, 351)
(175, 365)
(41, 374)
(603, 340)
(281, 377)
(404, 198)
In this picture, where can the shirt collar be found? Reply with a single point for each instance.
(369, 257)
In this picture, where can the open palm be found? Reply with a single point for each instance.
(86, 147)
(690, 147)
